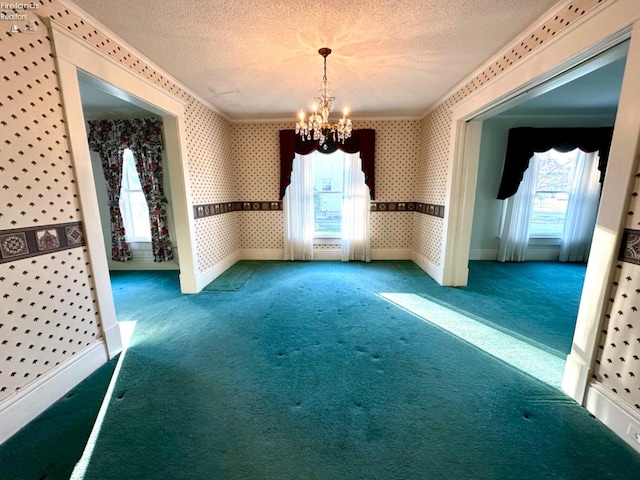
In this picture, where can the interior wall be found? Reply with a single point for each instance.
(257, 176)
(435, 164)
(487, 212)
(48, 308)
(49, 314)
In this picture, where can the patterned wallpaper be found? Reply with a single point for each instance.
(257, 172)
(618, 361)
(47, 308)
(48, 304)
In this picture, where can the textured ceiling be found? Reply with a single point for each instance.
(259, 60)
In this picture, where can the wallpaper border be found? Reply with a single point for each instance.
(21, 243)
(211, 209)
(630, 246)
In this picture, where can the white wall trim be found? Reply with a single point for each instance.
(116, 38)
(334, 254)
(462, 176)
(431, 269)
(205, 278)
(72, 54)
(325, 254)
(551, 65)
(261, 254)
(391, 254)
(483, 254)
(615, 414)
(18, 410)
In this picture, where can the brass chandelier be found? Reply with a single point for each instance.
(319, 128)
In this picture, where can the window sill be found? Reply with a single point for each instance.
(326, 238)
(545, 240)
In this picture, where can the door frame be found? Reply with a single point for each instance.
(72, 54)
(615, 22)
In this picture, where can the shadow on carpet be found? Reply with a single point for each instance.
(235, 278)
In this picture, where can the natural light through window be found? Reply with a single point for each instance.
(555, 177)
(80, 469)
(135, 213)
(520, 354)
(328, 174)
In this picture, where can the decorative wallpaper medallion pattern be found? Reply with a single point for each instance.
(202, 211)
(27, 242)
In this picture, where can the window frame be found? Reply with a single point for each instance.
(542, 238)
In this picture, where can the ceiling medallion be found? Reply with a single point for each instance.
(319, 128)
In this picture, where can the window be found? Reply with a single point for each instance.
(553, 186)
(135, 213)
(328, 173)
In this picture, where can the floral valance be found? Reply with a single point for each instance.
(362, 140)
(525, 141)
(144, 133)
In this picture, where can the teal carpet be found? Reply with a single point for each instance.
(537, 301)
(235, 278)
(305, 372)
(50, 446)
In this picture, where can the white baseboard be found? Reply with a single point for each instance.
(615, 414)
(325, 254)
(261, 254)
(20, 409)
(538, 255)
(205, 278)
(576, 376)
(434, 271)
(533, 253)
(483, 254)
(142, 259)
(391, 254)
(113, 338)
(142, 265)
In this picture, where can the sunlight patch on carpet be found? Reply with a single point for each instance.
(235, 278)
(534, 361)
(79, 471)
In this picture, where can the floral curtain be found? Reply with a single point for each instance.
(106, 138)
(146, 146)
(144, 138)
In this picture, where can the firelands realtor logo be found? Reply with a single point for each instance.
(16, 13)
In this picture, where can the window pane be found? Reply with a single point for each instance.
(328, 212)
(327, 192)
(549, 211)
(327, 171)
(135, 213)
(555, 172)
(130, 179)
(139, 215)
(555, 176)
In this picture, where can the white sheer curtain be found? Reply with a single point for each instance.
(515, 232)
(298, 211)
(582, 209)
(356, 241)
